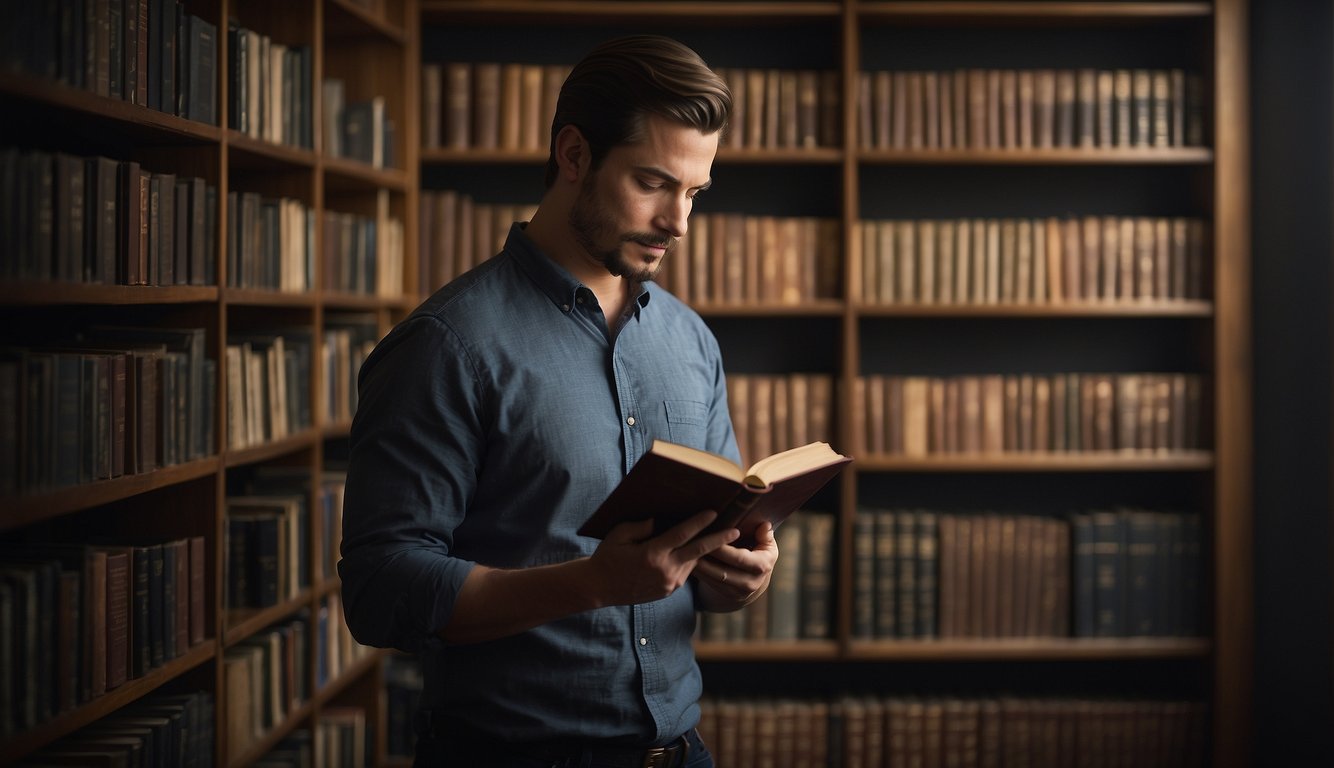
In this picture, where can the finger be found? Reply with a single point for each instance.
(708, 544)
(687, 529)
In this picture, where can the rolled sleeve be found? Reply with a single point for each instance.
(415, 448)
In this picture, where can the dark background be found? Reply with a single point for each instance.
(1292, 82)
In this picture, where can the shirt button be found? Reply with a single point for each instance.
(565, 307)
(580, 299)
(643, 641)
(630, 420)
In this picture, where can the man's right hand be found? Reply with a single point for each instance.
(633, 566)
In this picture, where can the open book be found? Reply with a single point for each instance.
(672, 482)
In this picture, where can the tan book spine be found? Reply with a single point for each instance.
(789, 275)
(898, 112)
(960, 106)
(1065, 108)
(772, 108)
(930, 110)
(995, 109)
(511, 106)
(1009, 260)
(1162, 108)
(993, 261)
(905, 251)
(877, 428)
(1141, 105)
(993, 414)
(718, 237)
(738, 404)
(926, 264)
(1145, 259)
(1177, 103)
(1162, 251)
(1041, 414)
(1178, 259)
(1041, 280)
(1106, 134)
(945, 260)
(883, 261)
(978, 270)
(945, 108)
(1110, 257)
(1121, 100)
(831, 108)
(755, 92)
(808, 109)
(1023, 269)
(962, 253)
(761, 415)
(1009, 109)
(432, 89)
(486, 105)
(754, 257)
(821, 408)
(700, 237)
(533, 123)
(866, 112)
(799, 396)
(916, 105)
(1086, 100)
(1045, 109)
(734, 258)
(1126, 258)
(788, 110)
(977, 109)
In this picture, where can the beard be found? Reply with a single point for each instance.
(595, 231)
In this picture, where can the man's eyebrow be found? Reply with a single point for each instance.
(670, 179)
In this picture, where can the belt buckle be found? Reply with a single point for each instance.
(657, 757)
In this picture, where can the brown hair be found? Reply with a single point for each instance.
(613, 88)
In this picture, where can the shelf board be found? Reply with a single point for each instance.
(601, 11)
(244, 622)
(249, 152)
(1030, 649)
(26, 510)
(336, 430)
(1053, 156)
(256, 453)
(1104, 461)
(1182, 308)
(1092, 12)
(103, 114)
(793, 650)
(347, 20)
(356, 301)
(350, 672)
(262, 745)
(24, 743)
(784, 156)
(37, 294)
(342, 173)
(471, 156)
(259, 297)
(815, 308)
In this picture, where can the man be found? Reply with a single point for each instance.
(495, 419)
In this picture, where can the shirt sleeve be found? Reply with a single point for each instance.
(721, 437)
(415, 451)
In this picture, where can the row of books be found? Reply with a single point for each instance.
(923, 574)
(269, 88)
(109, 402)
(270, 243)
(799, 604)
(1028, 413)
(360, 130)
(348, 341)
(860, 731)
(265, 679)
(783, 108)
(1029, 109)
(97, 220)
(330, 501)
(267, 547)
(147, 52)
(458, 233)
(335, 650)
(731, 258)
(78, 620)
(488, 105)
(1029, 261)
(161, 729)
(268, 386)
(362, 254)
(338, 741)
(774, 412)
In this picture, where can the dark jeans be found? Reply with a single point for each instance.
(437, 751)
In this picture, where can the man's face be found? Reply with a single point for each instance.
(630, 212)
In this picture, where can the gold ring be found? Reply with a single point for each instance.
(724, 575)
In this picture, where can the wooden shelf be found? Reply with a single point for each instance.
(1119, 309)
(342, 173)
(1030, 649)
(353, 301)
(793, 156)
(26, 510)
(1090, 12)
(244, 622)
(117, 118)
(345, 19)
(443, 156)
(25, 742)
(256, 297)
(1191, 461)
(35, 294)
(818, 308)
(257, 453)
(261, 746)
(600, 11)
(251, 153)
(1055, 156)
(796, 650)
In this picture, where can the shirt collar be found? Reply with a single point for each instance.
(551, 278)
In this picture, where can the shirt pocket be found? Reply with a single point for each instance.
(687, 422)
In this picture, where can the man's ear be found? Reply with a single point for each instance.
(572, 153)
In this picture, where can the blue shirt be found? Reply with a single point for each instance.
(491, 423)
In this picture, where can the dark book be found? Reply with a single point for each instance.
(198, 596)
(119, 581)
(101, 193)
(181, 232)
(1083, 576)
(141, 647)
(1109, 548)
(197, 200)
(672, 482)
(164, 625)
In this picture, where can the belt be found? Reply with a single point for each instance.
(462, 739)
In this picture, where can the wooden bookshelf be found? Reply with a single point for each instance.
(1208, 179)
(189, 497)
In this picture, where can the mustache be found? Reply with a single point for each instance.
(652, 241)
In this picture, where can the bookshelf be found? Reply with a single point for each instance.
(851, 335)
(272, 146)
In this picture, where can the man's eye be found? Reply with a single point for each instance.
(649, 186)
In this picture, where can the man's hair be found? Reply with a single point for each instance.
(610, 92)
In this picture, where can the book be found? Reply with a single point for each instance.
(672, 482)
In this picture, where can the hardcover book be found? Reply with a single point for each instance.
(672, 482)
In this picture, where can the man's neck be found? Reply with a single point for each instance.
(556, 241)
